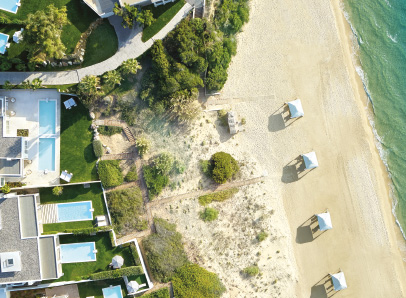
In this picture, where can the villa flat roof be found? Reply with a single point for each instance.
(28, 218)
(11, 241)
(48, 258)
(9, 147)
(10, 167)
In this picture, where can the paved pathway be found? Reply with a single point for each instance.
(130, 46)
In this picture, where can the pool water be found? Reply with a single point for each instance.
(46, 159)
(47, 117)
(9, 5)
(3, 42)
(112, 292)
(75, 211)
(78, 252)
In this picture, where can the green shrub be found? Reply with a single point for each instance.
(80, 232)
(163, 163)
(178, 167)
(135, 255)
(223, 117)
(164, 250)
(224, 166)
(110, 173)
(112, 274)
(126, 208)
(5, 188)
(162, 293)
(262, 236)
(251, 270)
(209, 214)
(143, 145)
(15, 184)
(113, 242)
(205, 167)
(194, 281)
(131, 175)
(98, 148)
(155, 181)
(109, 130)
(57, 190)
(219, 196)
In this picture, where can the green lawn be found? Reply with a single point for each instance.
(77, 156)
(95, 288)
(79, 14)
(101, 44)
(162, 15)
(105, 253)
(74, 193)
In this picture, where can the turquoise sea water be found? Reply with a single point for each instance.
(380, 29)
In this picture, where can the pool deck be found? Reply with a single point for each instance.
(26, 108)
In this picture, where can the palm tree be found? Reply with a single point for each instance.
(89, 86)
(112, 78)
(130, 66)
(26, 84)
(7, 85)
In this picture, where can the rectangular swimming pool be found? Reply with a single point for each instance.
(112, 292)
(47, 117)
(10, 5)
(46, 159)
(76, 211)
(3, 42)
(78, 252)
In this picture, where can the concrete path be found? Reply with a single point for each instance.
(130, 46)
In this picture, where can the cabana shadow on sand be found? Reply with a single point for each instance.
(296, 168)
(329, 285)
(285, 115)
(313, 227)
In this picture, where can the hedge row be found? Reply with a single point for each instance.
(83, 232)
(217, 196)
(112, 274)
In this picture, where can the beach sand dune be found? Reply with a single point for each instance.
(295, 48)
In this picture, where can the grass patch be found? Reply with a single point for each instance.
(219, 196)
(79, 14)
(101, 44)
(162, 15)
(105, 253)
(110, 173)
(109, 130)
(209, 214)
(126, 207)
(77, 156)
(74, 193)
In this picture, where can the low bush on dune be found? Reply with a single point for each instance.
(223, 167)
(219, 196)
(209, 214)
(162, 293)
(110, 173)
(131, 175)
(251, 270)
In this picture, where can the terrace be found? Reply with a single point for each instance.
(53, 223)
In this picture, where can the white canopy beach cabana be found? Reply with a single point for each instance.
(310, 160)
(324, 220)
(117, 262)
(339, 281)
(132, 287)
(296, 109)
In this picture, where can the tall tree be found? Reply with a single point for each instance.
(42, 33)
(89, 89)
(130, 66)
(112, 78)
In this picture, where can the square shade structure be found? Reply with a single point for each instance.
(10, 261)
(296, 109)
(310, 160)
(339, 282)
(324, 220)
(3, 42)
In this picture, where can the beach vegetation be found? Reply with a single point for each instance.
(109, 130)
(205, 167)
(110, 173)
(251, 271)
(131, 175)
(262, 236)
(209, 214)
(143, 145)
(126, 207)
(218, 196)
(223, 167)
(164, 251)
(162, 293)
(155, 180)
(98, 148)
(163, 163)
(191, 280)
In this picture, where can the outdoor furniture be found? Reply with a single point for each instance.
(117, 262)
(101, 221)
(310, 160)
(67, 104)
(72, 102)
(295, 108)
(66, 176)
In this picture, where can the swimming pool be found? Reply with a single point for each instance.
(112, 292)
(47, 117)
(78, 252)
(3, 42)
(76, 211)
(46, 159)
(10, 5)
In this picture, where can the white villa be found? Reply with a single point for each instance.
(104, 8)
(29, 136)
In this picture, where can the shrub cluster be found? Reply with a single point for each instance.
(109, 130)
(110, 173)
(135, 255)
(164, 250)
(126, 208)
(112, 274)
(98, 148)
(57, 190)
(162, 293)
(154, 180)
(194, 281)
(209, 214)
(131, 175)
(262, 236)
(251, 270)
(223, 167)
(219, 196)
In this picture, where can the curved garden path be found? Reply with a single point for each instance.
(129, 46)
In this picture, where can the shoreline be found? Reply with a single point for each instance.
(345, 33)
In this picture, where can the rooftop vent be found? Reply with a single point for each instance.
(10, 261)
